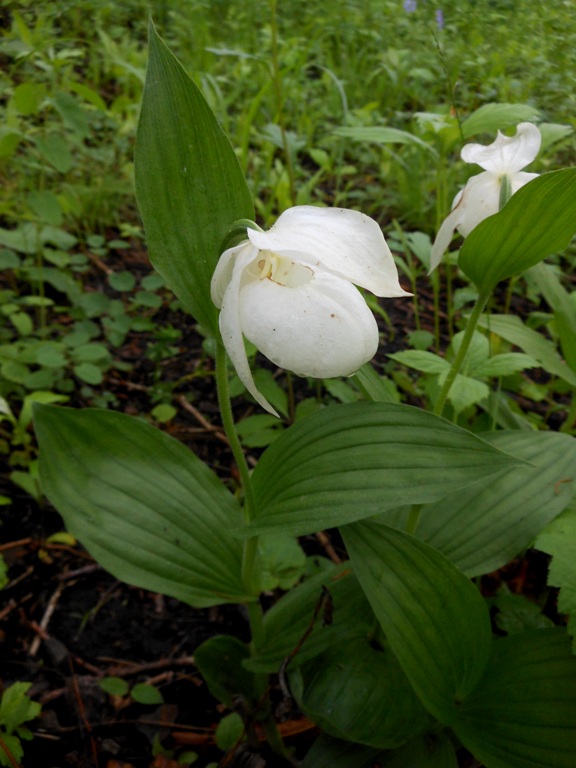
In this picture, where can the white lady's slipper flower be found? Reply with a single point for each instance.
(291, 292)
(502, 161)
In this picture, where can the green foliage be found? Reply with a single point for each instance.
(189, 184)
(15, 710)
(394, 455)
(537, 221)
(433, 617)
(559, 540)
(135, 519)
(341, 106)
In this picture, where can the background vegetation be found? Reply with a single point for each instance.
(353, 103)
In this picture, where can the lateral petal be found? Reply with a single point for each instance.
(444, 236)
(480, 199)
(346, 242)
(232, 269)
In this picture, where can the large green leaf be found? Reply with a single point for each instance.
(434, 618)
(189, 184)
(352, 461)
(539, 219)
(142, 504)
(356, 690)
(523, 713)
(484, 526)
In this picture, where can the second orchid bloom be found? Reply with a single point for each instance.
(502, 161)
(291, 292)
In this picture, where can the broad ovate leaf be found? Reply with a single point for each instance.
(523, 712)
(539, 219)
(189, 184)
(352, 461)
(434, 618)
(144, 506)
(484, 526)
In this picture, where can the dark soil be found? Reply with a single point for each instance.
(65, 623)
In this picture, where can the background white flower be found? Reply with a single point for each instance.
(291, 291)
(480, 198)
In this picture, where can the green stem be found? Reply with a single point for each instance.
(223, 388)
(477, 310)
(249, 558)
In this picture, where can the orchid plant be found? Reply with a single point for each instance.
(391, 653)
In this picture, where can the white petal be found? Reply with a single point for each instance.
(223, 272)
(480, 199)
(322, 328)
(507, 154)
(230, 326)
(346, 242)
(444, 236)
(519, 179)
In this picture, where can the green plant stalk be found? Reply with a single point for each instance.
(223, 389)
(249, 556)
(251, 544)
(477, 310)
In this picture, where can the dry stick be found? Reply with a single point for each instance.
(41, 628)
(330, 551)
(124, 669)
(216, 431)
(324, 601)
(82, 712)
(13, 544)
(20, 578)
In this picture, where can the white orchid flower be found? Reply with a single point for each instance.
(291, 292)
(502, 161)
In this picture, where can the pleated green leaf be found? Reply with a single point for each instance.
(356, 690)
(523, 713)
(539, 219)
(482, 527)
(142, 504)
(434, 618)
(352, 461)
(189, 184)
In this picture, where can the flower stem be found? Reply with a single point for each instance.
(223, 388)
(477, 310)
(249, 558)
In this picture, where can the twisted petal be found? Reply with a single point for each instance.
(507, 154)
(444, 236)
(230, 270)
(322, 328)
(346, 242)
